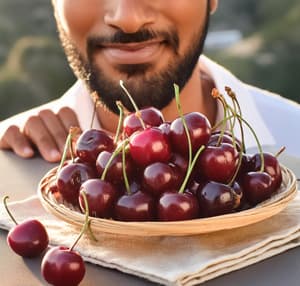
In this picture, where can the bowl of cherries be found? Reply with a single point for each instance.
(155, 177)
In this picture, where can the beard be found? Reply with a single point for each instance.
(146, 86)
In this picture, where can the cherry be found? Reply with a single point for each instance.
(27, 239)
(150, 116)
(138, 206)
(226, 138)
(271, 166)
(91, 142)
(70, 178)
(218, 163)
(158, 177)
(100, 195)
(61, 266)
(149, 146)
(198, 128)
(217, 199)
(115, 169)
(174, 206)
(257, 187)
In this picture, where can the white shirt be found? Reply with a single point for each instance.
(275, 119)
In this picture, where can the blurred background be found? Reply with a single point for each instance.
(259, 41)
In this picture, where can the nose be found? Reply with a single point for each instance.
(129, 15)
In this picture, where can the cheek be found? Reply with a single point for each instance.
(78, 17)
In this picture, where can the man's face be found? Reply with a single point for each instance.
(150, 45)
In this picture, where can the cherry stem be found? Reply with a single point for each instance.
(177, 97)
(120, 122)
(281, 150)
(137, 111)
(190, 169)
(124, 169)
(8, 211)
(86, 220)
(96, 102)
(215, 94)
(232, 95)
(68, 146)
(112, 157)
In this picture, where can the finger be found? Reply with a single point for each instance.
(15, 140)
(55, 127)
(38, 133)
(68, 118)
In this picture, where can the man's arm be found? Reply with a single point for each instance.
(41, 129)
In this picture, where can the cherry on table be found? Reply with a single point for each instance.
(27, 239)
(61, 267)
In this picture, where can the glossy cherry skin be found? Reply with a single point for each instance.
(158, 177)
(226, 138)
(149, 146)
(101, 196)
(150, 116)
(91, 142)
(272, 167)
(70, 178)
(138, 206)
(28, 239)
(174, 206)
(115, 170)
(218, 163)
(217, 199)
(257, 187)
(61, 267)
(199, 129)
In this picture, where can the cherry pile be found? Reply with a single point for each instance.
(154, 170)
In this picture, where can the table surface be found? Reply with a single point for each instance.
(19, 179)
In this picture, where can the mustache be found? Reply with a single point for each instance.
(119, 37)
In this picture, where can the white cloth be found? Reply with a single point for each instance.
(274, 118)
(173, 260)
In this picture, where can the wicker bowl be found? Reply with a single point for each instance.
(258, 213)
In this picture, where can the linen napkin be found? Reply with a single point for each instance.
(187, 260)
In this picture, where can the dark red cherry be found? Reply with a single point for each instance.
(149, 115)
(199, 129)
(272, 167)
(149, 146)
(218, 163)
(158, 177)
(217, 199)
(91, 142)
(61, 267)
(100, 195)
(138, 206)
(28, 239)
(174, 206)
(257, 187)
(115, 170)
(226, 138)
(70, 178)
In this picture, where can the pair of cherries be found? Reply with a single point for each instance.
(60, 265)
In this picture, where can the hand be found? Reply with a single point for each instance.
(46, 131)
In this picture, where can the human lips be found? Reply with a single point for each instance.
(132, 53)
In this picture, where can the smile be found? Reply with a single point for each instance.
(132, 53)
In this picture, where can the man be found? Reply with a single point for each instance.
(149, 45)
